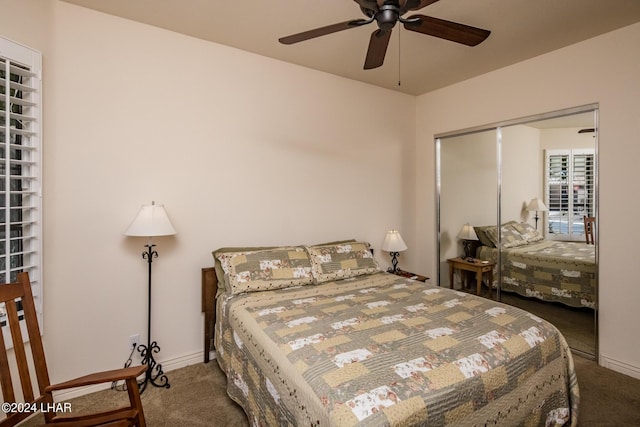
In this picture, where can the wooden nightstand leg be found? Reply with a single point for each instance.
(479, 280)
(450, 276)
(490, 283)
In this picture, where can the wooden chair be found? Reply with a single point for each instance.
(15, 297)
(589, 229)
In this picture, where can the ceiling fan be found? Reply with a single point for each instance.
(387, 13)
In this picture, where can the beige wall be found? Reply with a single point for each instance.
(603, 70)
(27, 22)
(554, 139)
(522, 176)
(468, 188)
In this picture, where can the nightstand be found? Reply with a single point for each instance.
(479, 267)
(410, 275)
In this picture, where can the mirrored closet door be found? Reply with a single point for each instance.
(537, 178)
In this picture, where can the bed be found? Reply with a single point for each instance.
(334, 341)
(548, 270)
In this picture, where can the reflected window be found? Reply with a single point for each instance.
(570, 184)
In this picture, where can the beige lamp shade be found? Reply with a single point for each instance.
(536, 205)
(151, 221)
(467, 232)
(393, 242)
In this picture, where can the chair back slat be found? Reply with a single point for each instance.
(19, 350)
(8, 294)
(11, 295)
(589, 229)
(33, 331)
(5, 372)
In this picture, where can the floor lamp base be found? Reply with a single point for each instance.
(154, 374)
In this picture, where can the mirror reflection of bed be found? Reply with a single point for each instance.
(537, 177)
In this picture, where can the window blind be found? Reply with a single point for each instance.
(20, 166)
(570, 189)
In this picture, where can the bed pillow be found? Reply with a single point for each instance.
(481, 232)
(528, 232)
(268, 269)
(511, 238)
(221, 259)
(222, 256)
(342, 260)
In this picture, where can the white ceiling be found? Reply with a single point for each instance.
(520, 29)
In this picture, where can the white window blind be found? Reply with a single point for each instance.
(569, 192)
(20, 166)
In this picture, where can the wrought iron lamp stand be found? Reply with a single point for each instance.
(536, 218)
(394, 262)
(154, 373)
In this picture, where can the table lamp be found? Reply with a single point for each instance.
(468, 235)
(393, 244)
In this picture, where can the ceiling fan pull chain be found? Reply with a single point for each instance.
(399, 57)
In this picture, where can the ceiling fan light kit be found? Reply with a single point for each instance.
(387, 13)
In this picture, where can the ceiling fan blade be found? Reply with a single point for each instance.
(367, 4)
(322, 31)
(416, 4)
(453, 31)
(377, 49)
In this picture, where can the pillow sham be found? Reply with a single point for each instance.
(269, 269)
(221, 259)
(340, 261)
(481, 232)
(528, 232)
(222, 256)
(511, 238)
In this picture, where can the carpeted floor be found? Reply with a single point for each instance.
(576, 324)
(197, 398)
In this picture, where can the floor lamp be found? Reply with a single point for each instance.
(151, 221)
(536, 205)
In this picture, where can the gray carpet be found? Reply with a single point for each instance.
(197, 398)
(576, 324)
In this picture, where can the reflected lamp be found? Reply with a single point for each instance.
(468, 235)
(536, 205)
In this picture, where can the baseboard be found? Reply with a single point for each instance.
(167, 366)
(618, 366)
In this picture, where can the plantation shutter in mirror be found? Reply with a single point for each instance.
(20, 166)
(583, 181)
(570, 192)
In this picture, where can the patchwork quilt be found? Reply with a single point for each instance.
(383, 350)
(549, 270)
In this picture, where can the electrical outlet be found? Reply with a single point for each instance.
(134, 340)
